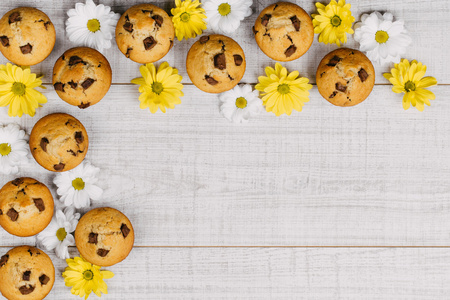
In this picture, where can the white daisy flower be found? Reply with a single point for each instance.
(225, 16)
(77, 186)
(58, 234)
(13, 148)
(383, 40)
(241, 103)
(91, 25)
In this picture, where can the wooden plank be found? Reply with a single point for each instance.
(369, 175)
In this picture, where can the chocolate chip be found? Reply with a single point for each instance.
(26, 49)
(73, 152)
(231, 78)
(79, 137)
(1, 212)
(72, 84)
(340, 87)
(93, 238)
(204, 39)
(75, 60)
(238, 60)
(87, 83)
(29, 251)
(26, 275)
(59, 86)
(265, 19)
(4, 260)
(44, 142)
(102, 252)
(332, 95)
(211, 80)
(296, 22)
(125, 230)
(5, 41)
(158, 19)
(44, 279)
(220, 61)
(333, 62)
(291, 50)
(149, 43)
(321, 74)
(39, 204)
(128, 26)
(84, 105)
(26, 289)
(128, 52)
(145, 11)
(15, 17)
(59, 167)
(17, 181)
(12, 214)
(363, 75)
(254, 30)
(127, 18)
(46, 24)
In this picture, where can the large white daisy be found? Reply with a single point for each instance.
(382, 39)
(91, 25)
(225, 16)
(77, 186)
(58, 234)
(240, 103)
(13, 148)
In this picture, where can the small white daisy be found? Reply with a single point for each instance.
(241, 103)
(383, 40)
(91, 25)
(58, 234)
(225, 16)
(13, 148)
(77, 186)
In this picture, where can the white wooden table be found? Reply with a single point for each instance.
(329, 203)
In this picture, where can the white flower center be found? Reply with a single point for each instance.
(93, 25)
(78, 184)
(61, 234)
(381, 36)
(224, 9)
(5, 149)
(241, 102)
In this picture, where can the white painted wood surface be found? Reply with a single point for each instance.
(371, 175)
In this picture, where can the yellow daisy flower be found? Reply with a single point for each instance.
(188, 19)
(283, 92)
(17, 89)
(408, 78)
(333, 22)
(85, 278)
(160, 89)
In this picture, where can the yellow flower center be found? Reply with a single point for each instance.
(18, 88)
(61, 234)
(224, 9)
(5, 149)
(78, 184)
(410, 86)
(93, 25)
(283, 88)
(157, 87)
(381, 36)
(88, 275)
(336, 21)
(241, 102)
(185, 17)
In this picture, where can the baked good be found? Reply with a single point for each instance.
(26, 206)
(104, 236)
(284, 31)
(27, 36)
(215, 63)
(59, 142)
(26, 273)
(82, 76)
(145, 33)
(345, 77)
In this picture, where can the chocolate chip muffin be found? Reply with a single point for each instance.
(82, 76)
(104, 236)
(26, 207)
(59, 142)
(215, 63)
(284, 31)
(345, 77)
(27, 36)
(145, 33)
(26, 273)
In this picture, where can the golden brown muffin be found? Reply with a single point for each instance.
(145, 33)
(345, 77)
(215, 63)
(104, 236)
(26, 206)
(26, 273)
(59, 142)
(82, 76)
(284, 31)
(27, 36)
